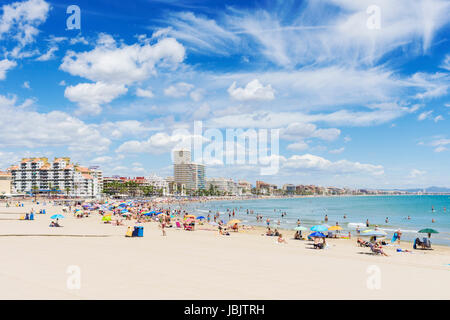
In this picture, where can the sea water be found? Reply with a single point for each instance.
(357, 209)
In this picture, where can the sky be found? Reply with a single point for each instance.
(358, 90)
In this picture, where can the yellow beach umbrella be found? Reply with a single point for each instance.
(106, 218)
(189, 216)
(234, 221)
(334, 228)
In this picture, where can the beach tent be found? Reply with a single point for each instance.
(320, 228)
(429, 231)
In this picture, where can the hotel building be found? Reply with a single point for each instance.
(40, 175)
(5, 183)
(187, 173)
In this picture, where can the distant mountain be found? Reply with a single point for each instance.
(427, 190)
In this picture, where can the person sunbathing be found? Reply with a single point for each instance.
(377, 248)
(280, 239)
(297, 236)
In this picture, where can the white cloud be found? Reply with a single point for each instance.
(311, 162)
(6, 65)
(178, 90)
(298, 146)
(336, 30)
(254, 90)
(49, 55)
(197, 95)
(416, 173)
(438, 118)
(446, 63)
(159, 143)
(296, 130)
(19, 21)
(144, 93)
(90, 96)
(440, 145)
(337, 151)
(203, 35)
(53, 129)
(120, 63)
(26, 85)
(424, 115)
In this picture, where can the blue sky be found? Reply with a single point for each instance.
(356, 106)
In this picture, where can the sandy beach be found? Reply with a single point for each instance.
(201, 264)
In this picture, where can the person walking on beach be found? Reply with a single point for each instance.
(268, 222)
(399, 235)
(326, 218)
(367, 223)
(163, 225)
(298, 222)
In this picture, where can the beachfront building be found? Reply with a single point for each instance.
(222, 186)
(158, 183)
(265, 188)
(39, 175)
(5, 183)
(244, 187)
(187, 173)
(289, 188)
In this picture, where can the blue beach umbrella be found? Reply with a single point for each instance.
(57, 216)
(201, 217)
(317, 235)
(320, 228)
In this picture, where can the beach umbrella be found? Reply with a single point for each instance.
(189, 216)
(373, 233)
(147, 214)
(201, 217)
(429, 231)
(300, 228)
(334, 228)
(320, 228)
(57, 216)
(234, 221)
(317, 234)
(106, 218)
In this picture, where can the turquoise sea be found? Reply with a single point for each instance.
(311, 211)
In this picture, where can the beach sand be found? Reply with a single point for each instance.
(202, 264)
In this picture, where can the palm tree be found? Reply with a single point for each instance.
(67, 191)
(35, 189)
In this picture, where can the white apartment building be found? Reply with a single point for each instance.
(40, 175)
(158, 183)
(223, 185)
(244, 187)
